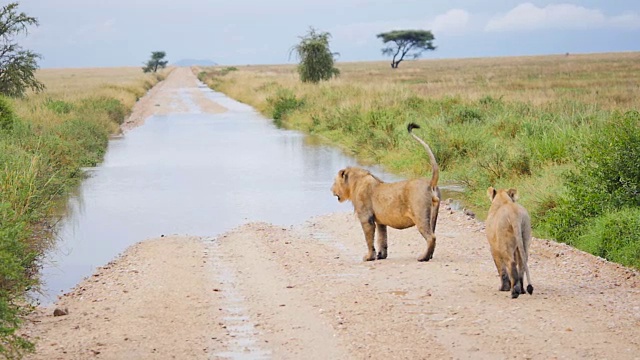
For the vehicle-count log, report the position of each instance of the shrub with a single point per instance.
(7, 115)
(607, 178)
(282, 104)
(494, 163)
(614, 236)
(228, 69)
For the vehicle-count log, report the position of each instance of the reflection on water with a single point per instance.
(197, 174)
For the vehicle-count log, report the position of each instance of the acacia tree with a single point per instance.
(17, 66)
(316, 59)
(410, 43)
(156, 61)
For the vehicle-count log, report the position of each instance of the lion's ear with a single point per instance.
(513, 194)
(344, 175)
(491, 193)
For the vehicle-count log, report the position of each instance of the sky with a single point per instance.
(106, 33)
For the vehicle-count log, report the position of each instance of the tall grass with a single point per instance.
(506, 122)
(45, 139)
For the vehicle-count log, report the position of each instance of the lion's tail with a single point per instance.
(520, 233)
(434, 165)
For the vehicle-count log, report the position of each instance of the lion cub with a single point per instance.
(400, 204)
(508, 229)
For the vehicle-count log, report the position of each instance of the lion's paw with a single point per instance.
(369, 257)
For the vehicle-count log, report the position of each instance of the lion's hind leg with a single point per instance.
(520, 265)
(515, 279)
(430, 237)
(505, 283)
(382, 241)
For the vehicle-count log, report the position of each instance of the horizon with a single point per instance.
(360, 61)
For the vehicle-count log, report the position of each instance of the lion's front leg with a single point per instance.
(369, 229)
(382, 241)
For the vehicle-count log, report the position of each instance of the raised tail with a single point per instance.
(434, 165)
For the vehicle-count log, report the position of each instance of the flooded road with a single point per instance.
(192, 173)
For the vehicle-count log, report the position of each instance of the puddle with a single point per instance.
(198, 174)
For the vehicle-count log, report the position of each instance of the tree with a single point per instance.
(406, 43)
(17, 66)
(155, 62)
(316, 59)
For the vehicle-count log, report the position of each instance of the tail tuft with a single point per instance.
(530, 289)
(412, 126)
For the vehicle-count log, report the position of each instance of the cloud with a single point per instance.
(93, 32)
(528, 16)
(453, 22)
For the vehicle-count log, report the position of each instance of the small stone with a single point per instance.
(469, 213)
(60, 312)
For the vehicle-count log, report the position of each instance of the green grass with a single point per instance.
(613, 236)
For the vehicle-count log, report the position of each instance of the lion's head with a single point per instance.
(502, 196)
(339, 187)
(345, 182)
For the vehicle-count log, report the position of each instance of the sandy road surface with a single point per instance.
(260, 291)
(170, 96)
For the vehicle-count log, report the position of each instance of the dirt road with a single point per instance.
(260, 291)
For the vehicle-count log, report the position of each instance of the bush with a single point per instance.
(282, 104)
(607, 178)
(7, 115)
(614, 236)
(227, 70)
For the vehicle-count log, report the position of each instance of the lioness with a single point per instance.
(508, 229)
(400, 204)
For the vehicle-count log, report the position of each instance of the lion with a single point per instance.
(508, 229)
(400, 204)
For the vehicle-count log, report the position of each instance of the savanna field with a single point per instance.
(45, 140)
(562, 129)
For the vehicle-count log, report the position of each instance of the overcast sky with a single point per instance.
(96, 33)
